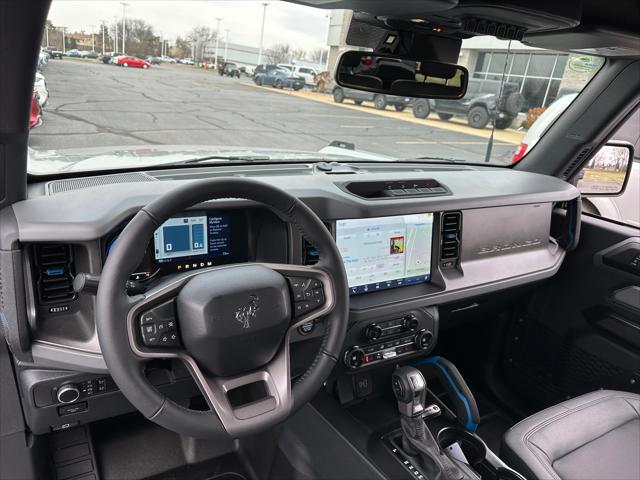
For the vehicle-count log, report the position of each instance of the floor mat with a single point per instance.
(132, 447)
(218, 469)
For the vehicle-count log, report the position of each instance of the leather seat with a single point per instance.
(595, 437)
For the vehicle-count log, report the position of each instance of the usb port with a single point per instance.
(52, 272)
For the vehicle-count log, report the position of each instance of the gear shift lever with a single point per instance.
(410, 389)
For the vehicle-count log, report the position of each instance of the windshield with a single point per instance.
(144, 83)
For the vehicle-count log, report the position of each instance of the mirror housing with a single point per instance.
(607, 172)
(394, 75)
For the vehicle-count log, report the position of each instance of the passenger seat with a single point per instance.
(592, 437)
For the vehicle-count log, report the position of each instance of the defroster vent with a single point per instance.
(450, 241)
(54, 273)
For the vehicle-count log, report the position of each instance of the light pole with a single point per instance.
(328, 49)
(115, 37)
(102, 37)
(226, 44)
(217, 40)
(93, 38)
(63, 40)
(264, 16)
(124, 25)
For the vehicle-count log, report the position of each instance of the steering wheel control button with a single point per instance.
(158, 326)
(306, 328)
(169, 340)
(308, 294)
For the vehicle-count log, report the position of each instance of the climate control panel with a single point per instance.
(387, 339)
(387, 328)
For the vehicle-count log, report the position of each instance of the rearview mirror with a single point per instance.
(607, 172)
(394, 75)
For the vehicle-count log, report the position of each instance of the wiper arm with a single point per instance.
(439, 159)
(231, 158)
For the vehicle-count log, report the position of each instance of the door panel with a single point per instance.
(580, 330)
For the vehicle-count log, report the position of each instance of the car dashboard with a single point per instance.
(414, 238)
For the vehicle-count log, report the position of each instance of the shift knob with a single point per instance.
(410, 389)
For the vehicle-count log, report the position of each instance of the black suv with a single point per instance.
(482, 103)
(264, 68)
(230, 70)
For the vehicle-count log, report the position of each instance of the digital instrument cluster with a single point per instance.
(190, 241)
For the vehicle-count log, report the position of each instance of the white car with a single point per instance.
(40, 89)
(623, 208)
(166, 59)
(43, 59)
(308, 73)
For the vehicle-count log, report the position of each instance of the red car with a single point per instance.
(35, 116)
(133, 62)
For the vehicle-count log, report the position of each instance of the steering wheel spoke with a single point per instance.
(249, 402)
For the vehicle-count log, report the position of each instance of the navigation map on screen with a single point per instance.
(385, 252)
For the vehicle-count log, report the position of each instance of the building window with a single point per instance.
(537, 75)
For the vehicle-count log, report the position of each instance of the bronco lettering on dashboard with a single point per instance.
(501, 247)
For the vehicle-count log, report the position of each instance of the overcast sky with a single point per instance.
(299, 26)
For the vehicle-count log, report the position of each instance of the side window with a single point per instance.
(607, 169)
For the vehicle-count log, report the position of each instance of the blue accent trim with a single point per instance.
(470, 425)
(570, 208)
(52, 272)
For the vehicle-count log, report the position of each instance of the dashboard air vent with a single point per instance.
(450, 242)
(579, 160)
(54, 270)
(58, 186)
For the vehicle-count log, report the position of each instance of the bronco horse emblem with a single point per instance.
(245, 313)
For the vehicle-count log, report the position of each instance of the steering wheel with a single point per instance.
(230, 324)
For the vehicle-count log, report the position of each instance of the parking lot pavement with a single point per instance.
(92, 104)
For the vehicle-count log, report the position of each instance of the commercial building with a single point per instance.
(246, 55)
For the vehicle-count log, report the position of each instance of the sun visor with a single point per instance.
(588, 40)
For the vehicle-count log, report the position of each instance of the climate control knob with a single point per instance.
(68, 393)
(423, 339)
(354, 357)
(410, 323)
(373, 332)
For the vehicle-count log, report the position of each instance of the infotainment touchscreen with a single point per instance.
(192, 238)
(385, 252)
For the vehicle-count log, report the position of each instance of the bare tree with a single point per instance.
(279, 53)
(141, 38)
(298, 54)
(182, 47)
(199, 36)
(317, 55)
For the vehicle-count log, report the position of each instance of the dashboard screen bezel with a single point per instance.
(393, 284)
